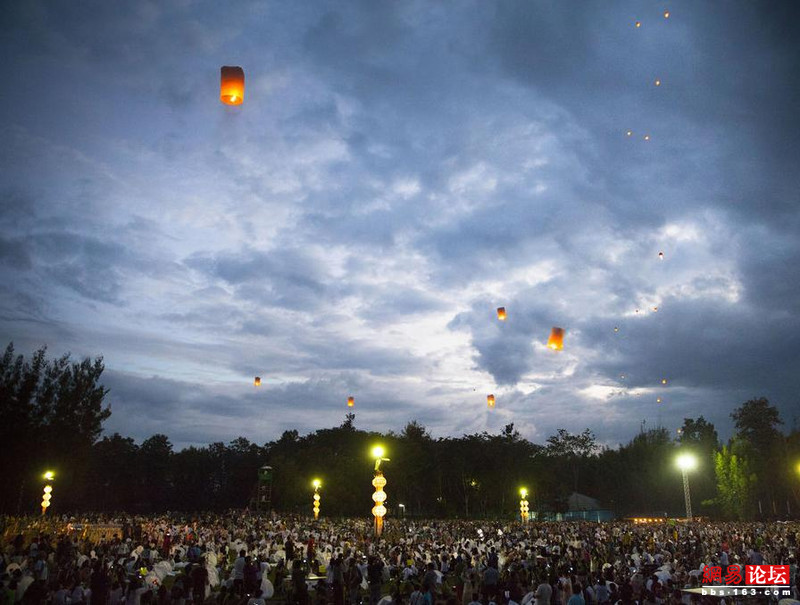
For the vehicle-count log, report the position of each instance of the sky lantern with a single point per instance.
(660, 256)
(351, 401)
(616, 329)
(638, 24)
(231, 87)
(257, 381)
(666, 14)
(657, 82)
(501, 313)
(658, 400)
(556, 340)
(647, 137)
(655, 309)
(663, 381)
(629, 133)
(490, 401)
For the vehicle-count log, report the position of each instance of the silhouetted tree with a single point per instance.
(51, 413)
(764, 448)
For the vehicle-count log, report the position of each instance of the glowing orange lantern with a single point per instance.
(231, 89)
(501, 313)
(490, 401)
(638, 24)
(663, 381)
(556, 340)
(257, 381)
(351, 401)
(666, 14)
(658, 82)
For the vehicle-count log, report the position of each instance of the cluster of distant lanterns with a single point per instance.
(656, 82)
(232, 93)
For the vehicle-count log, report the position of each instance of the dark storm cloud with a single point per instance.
(252, 265)
(15, 253)
(394, 301)
(398, 171)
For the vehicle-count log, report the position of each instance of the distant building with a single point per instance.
(580, 507)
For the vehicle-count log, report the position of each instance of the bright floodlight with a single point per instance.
(49, 475)
(523, 492)
(378, 452)
(686, 462)
(316, 483)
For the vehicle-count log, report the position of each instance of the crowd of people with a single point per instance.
(241, 559)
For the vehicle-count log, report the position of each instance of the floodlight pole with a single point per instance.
(686, 495)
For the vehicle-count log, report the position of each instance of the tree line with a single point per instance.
(52, 414)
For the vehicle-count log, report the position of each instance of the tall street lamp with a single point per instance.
(403, 508)
(687, 462)
(379, 497)
(317, 484)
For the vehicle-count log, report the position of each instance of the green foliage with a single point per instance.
(735, 484)
(51, 413)
(757, 423)
(51, 416)
(760, 444)
(569, 453)
(642, 477)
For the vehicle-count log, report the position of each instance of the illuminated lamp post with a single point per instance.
(379, 497)
(687, 462)
(317, 484)
(523, 504)
(48, 490)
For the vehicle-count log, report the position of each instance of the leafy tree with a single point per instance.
(51, 413)
(757, 422)
(572, 449)
(412, 466)
(113, 474)
(155, 458)
(763, 447)
(735, 484)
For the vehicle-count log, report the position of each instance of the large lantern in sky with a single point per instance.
(556, 340)
(490, 401)
(351, 401)
(257, 381)
(231, 87)
(501, 313)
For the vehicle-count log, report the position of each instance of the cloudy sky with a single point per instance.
(397, 171)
